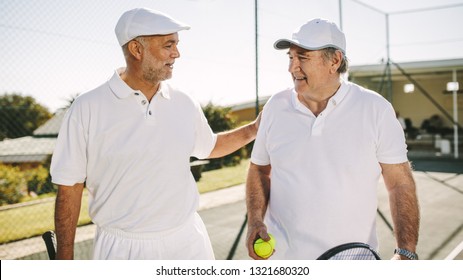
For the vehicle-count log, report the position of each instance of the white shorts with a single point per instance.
(189, 241)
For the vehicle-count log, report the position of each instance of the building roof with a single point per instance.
(434, 66)
(26, 149)
(52, 126)
(36, 148)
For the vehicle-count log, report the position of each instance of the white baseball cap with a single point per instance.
(316, 34)
(145, 22)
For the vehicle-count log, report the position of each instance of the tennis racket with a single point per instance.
(350, 251)
(50, 242)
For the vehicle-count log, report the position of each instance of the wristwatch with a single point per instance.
(406, 253)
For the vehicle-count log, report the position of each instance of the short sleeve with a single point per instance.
(205, 139)
(391, 147)
(259, 155)
(69, 160)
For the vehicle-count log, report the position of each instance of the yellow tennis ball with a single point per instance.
(264, 249)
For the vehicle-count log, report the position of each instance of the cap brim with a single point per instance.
(283, 44)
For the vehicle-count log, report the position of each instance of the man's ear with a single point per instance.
(336, 61)
(135, 48)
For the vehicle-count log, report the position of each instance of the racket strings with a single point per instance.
(355, 254)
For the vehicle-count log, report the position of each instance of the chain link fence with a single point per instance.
(45, 44)
(52, 31)
(39, 42)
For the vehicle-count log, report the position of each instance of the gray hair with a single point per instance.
(125, 47)
(328, 54)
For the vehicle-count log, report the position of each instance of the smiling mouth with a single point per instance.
(298, 76)
(170, 65)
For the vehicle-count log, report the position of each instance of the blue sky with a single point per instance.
(54, 49)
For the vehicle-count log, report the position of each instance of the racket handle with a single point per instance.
(50, 242)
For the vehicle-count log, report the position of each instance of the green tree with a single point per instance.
(220, 120)
(20, 115)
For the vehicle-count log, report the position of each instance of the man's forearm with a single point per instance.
(257, 192)
(67, 210)
(257, 197)
(403, 203)
(230, 141)
(405, 215)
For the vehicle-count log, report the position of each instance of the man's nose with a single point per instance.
(176, 52)
(294, 65)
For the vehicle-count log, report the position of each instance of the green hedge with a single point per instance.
(17, 185)
(13, 184)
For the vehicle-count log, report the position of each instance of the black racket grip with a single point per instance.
(50, 242)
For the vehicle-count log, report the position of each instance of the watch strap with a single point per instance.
(406, 253)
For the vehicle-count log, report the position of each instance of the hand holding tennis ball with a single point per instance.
(264, 249)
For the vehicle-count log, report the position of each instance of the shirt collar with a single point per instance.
(338, 97)
(122, 90)
(335, 100)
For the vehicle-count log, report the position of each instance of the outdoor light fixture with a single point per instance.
(409, 88)
(452, 86)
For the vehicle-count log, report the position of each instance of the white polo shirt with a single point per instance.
(325, 169)
(133, 155)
